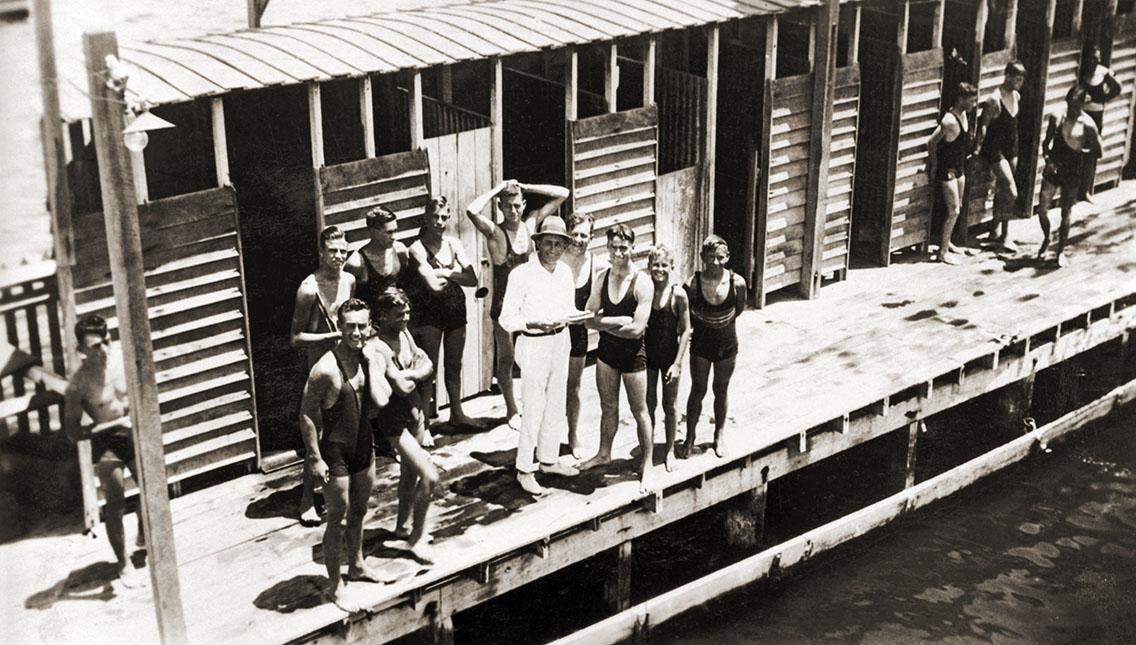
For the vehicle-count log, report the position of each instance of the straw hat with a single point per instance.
(552, 225)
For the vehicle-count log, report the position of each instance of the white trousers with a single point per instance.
(544, 385)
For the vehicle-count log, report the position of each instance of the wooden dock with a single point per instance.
(877, 353)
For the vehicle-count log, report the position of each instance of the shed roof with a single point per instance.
(182, 69)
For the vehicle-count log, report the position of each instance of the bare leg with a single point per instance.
(723, 370)
(699, 378)
(335, 495)
(454, 343)
(430, 340)
(952, 194)
(636, 386)
(572, 403)
(1045, 200)
(1068, 198)
(308, 514)
(359, 495)
(1007, 189)
(652, 393)
(607, 384)
(110, 477)
(426, 478)
(407, 482)
(504, 373)
(670, 419)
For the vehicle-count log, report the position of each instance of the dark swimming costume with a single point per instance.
(376, 283)
(320, 321)
(115, 444)
(714, 334)
(950, 156)
(624, 354)
(346, 446)
(661, 339)
(398, 415)
(501, 276)
(443, 309)
(1063, 166)
(579, 333)
(1001, 140)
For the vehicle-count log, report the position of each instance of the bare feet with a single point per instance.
(683, 450)
(310, 517)
(1062, 259)
(515, 422)
(599, 460)
(342, 598)
(131, 578)
(577, 453)
(402, 532)
(669, 461)
(529, 483)
(367, 574)
(1007, 245)
(422, 551)
(719, 448)
(464, 421)
(427, 439)
(948, 258)
(559, 469)
(645, 482)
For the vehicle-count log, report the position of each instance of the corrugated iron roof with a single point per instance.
(177, 70)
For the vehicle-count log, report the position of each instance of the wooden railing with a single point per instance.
(681, 98)
(440, 118)
(31, 324)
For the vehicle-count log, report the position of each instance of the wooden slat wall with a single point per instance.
(677, 217)
(841, 170)
(613, 173)
(979, 177)
(399, 181)
(195, 292)
(30, 309)
(1064, 60)
(919, 113)
(681, 98)
(460, 170)
(787, 167)
(1118, 112)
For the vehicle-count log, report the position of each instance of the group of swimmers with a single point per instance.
(1071, 146)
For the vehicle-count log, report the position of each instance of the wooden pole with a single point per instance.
(417, 128)
(1108, 36)
(611, 78)
(982, 16)
(496, 100)
(1078, 16)
(220, 141)
(572, 85)
(711, 139)
(447, 83)
(124, 247)
(1010, 33)
(759, 176)
(63, 239)
(649, 70)
(254, 11)
(937, 25)
(138, 169)
(816, 187)
(901, 32)
(617, 590)
(854, 38)
(315, 129)
(367, 116)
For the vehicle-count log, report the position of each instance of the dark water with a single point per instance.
(1044, 552)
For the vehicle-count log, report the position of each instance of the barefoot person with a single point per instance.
(584, 266)
(341, 387)
(716, 296)
(509, 245)
(1071, 140)
(538, 306)
(401, 421)
(314, 325)
(1101, 87)
(621, 302)
(98, 388)
(377, 264)
(996, 140)
(667, 337)
(949, 147)
(437, 272)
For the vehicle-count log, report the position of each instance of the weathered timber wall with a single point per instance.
(841, 170)
(399, 181)
(787, 166)
(922, 75)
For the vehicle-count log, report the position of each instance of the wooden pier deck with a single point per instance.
(874, 354)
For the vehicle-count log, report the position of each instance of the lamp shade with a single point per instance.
(145, 122)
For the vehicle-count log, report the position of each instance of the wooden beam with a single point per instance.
(649, 70)
(254, 11)
(711, 138)
(611, 77)
(910, 453)
(367, 116)
(904, 23)
(937, 25)
(759, 174)
(617, 587)
(447, 83)
(1078, 15)
(220, 140)
(854, 37)
(124, 247)
(1010, 33)
(62, 235)
(572, 85)
(826, 27)
(315, 128)
(981, 17)
(417, 129)
(497, 159)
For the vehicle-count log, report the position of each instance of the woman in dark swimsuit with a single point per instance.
(583, 265)
(1071, 140)
(949, 146)
(437, 271)
(666, 340)
(377, 264)
(997, 140)
(716, 296)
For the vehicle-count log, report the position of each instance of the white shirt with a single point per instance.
(536, 294)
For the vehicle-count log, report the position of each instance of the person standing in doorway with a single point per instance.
(377, 264)
(949, 147)
(996, 140)
(667, 337)
(1101, 87)
(509, 239)
(437, 272)
(584, 267)
(717, 296)
(314, 326)
(538, 306)
(1071, 140)
(621, 302)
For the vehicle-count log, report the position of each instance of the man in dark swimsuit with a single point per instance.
(1101, 87)
(509, 244)
(622, 355)
(377, 264)
(314, 329)
(341, 387)
(667, 339)
(1071, 140)
(996, 140)
(949, 147)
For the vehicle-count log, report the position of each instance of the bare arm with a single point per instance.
(644, 294)
(682, 312)
(73, 415)
(1093, 141)
(305, 300)
(743, 294)
(556, 195)
(483, 224)
(379, 388)
(464, 275)
(311, 418)
(595, 302)
(1050, 133)
(428, 274)
(990, 109)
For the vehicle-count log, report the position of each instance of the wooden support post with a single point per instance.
(495, 119)
(904, 24)
(912, 443)
(937, 26)
(572, 85)
(711, 138)
(254, 10)
(1127, 356)
(1010, 32)
(982, 16)
(649, 56)
(220, 141)
(417, 129)
(367, 116)
(124, 247)
(617, 590)
(753, 172)
(441, 624)
(820, 133)
(138, 169)
(611, 78)
(447, 83)
(315, 129)
(62, 235)
(1078, 16)
(1037, 76)
(745, 518)
(759, 174)
(854, 37)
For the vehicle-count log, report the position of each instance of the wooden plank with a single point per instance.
(710, 137)
(639, 119)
